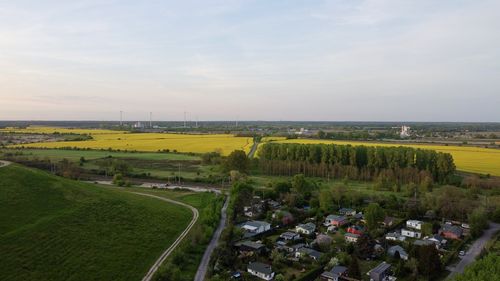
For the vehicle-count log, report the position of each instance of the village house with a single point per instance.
(423, 243)
(260, 270)
(308, 252)
(306, 229)
(290, 236)
(355, 229)
(394, 236)
(402, 253)
(334, 274)
(246, 247)
(415, 224)
(335, 220)
(411, 233)
(451, 231)
(381, 273)
(253, 228)
(438, 240)
(351, 238)
(347, 211)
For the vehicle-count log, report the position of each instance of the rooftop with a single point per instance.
(260, 267)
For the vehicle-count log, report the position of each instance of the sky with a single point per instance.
(351, 60)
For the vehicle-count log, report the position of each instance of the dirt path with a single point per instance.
(475, 250)
(149, 275)
(203, 267)
(4, 163)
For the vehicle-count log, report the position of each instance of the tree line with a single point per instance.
(402, 164)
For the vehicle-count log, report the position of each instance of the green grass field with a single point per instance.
(56, 229)
(74, 155)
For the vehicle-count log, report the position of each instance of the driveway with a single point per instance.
(474, 250)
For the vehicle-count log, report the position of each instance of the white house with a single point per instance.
(411, 233)
(306, 229)
(415, 224)
(261, 270)
(394, 236)
(256, 226)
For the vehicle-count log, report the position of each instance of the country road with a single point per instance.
(253, 149)
(474, 250)
(203, 267)
(149, 275)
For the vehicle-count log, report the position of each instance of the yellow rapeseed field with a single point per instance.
(51, 130)
(105, 139)
(469, 159)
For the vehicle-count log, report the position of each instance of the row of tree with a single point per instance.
(357, 162)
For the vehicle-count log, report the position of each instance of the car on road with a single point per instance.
(461, 253)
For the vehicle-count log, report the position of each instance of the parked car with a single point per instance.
(461, 253)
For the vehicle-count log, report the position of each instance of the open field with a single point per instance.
(469, 159)
(53, 130)
(105, 139)
(56, 229)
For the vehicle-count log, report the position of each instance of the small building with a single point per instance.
(334, 274)
(306, 229)
(411, 233)
(438, 240)
(290, 236)
(380, 273)
(335, 220)
(451, 231)
(394, 236)
(355, 229)
(388, 221)
(415, 224)
(250, 247)
(351, 238)
(347, 211)
(308, 252)
(255, 227)
(402, 253)
(260, 270)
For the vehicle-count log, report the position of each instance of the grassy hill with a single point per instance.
(56, 229)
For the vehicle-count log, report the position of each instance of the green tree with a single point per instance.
(478, 221)
(353, 269)
(237, 160)
(326, 201)
(373, 215)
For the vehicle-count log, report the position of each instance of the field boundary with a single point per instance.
(149, 275)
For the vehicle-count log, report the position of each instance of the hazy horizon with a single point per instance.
(361, 61)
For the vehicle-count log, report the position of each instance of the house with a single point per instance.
(323, 239)
(394, 236)
(380, 273)
(411, 233)
(331, 229)
(335, 220)
(290, 236)
(308, 252)
(347, 211)
(397, 249)
(438, 240)
(451, 231)
(250, 247)
(423, 243)
(252, 228)
(334, 274)
(359, 216)
(355, 229)
(388, 221)
(297, 247)
(273, 204)
(260, 270)
(415, 224)
(306, 229)
(351, 238)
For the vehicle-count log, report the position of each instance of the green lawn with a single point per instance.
(57, 229)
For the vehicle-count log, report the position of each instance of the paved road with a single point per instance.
(172, 247)
(475, 250)
(203, 267)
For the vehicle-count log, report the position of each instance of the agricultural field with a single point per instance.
(468, 159)
(57, 229)
(57, 130)
(152, 142)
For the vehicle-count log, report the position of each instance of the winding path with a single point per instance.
(203, 267)
(179, 239)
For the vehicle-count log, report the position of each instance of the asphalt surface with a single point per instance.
(203, 267)
(474, 250)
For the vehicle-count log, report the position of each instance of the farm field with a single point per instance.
(152, 142)
(468, 159)
(53, 130)
(57, 229)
